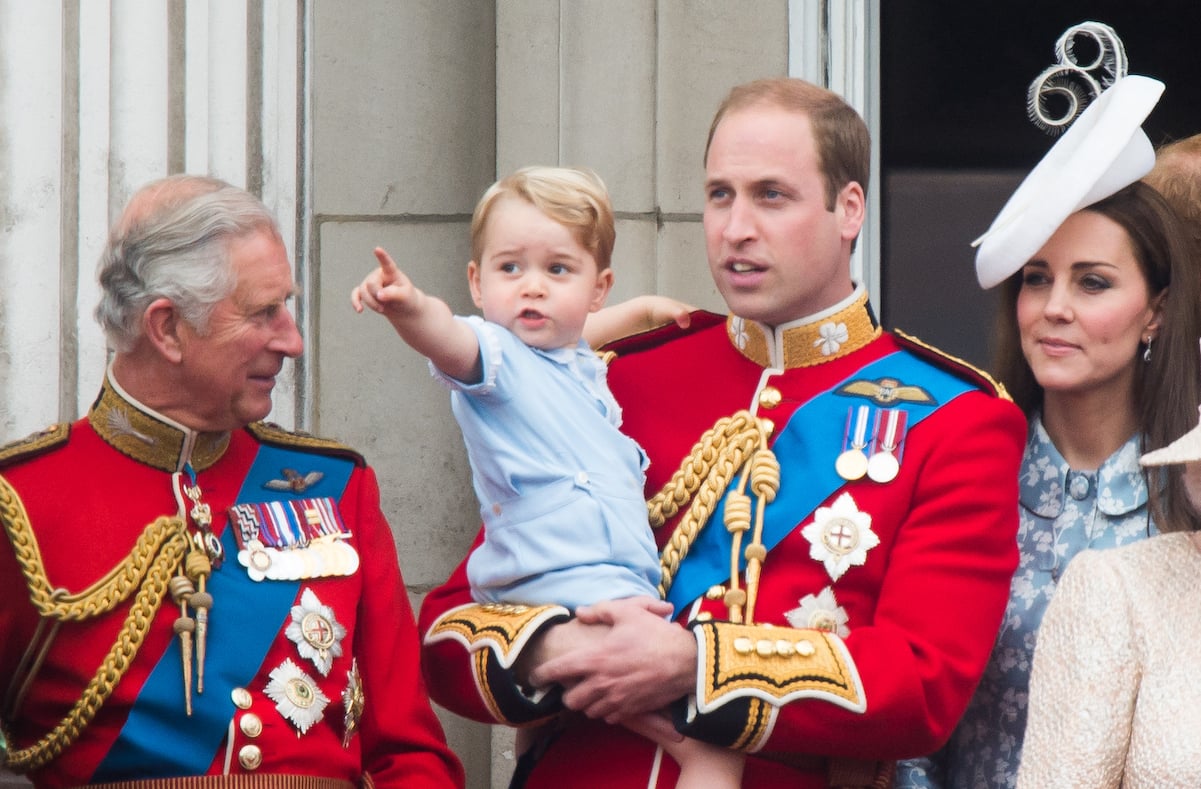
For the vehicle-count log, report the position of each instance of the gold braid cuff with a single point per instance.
(773, 664)
(159, 550)
(501, 627)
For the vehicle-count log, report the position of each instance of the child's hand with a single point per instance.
(386, 289)
(661, 310)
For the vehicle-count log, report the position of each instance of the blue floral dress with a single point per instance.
(1062, 512)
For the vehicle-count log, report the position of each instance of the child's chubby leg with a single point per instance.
(702, 766)
(705, 766)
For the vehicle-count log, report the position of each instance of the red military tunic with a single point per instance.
(83, 499)
(905, 625)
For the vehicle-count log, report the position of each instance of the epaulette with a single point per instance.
(658, 336)
(271, 433)
(960, 367)
(35, 444)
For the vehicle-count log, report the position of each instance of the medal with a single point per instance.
(296, 695)
(316, 633)
(840, 536)
(883, 464)
(353, 702)
(852, 463)
(293, 539)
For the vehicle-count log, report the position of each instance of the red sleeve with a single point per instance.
(403, 744)
(468, 651)
(943, 592)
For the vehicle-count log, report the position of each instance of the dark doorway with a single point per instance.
(955, 139)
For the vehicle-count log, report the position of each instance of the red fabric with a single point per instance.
(87, 504)
(924, 609)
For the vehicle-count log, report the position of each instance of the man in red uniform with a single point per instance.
(187, 591)
(836, 506)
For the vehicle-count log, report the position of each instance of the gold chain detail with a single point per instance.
(700, 482)
(149, 567)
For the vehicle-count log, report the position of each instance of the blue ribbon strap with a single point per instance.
(158, 739)
(807, 447)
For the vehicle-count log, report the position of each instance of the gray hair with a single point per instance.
(172, 242)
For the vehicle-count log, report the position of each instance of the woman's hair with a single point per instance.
(575, 198)
(172, 242)
(1167, 389)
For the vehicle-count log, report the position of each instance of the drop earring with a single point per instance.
(1147, 350)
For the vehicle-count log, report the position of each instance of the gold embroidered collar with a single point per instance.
(829, 335)
(149, 437)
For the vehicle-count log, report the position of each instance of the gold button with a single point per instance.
(784, 648)
(704, 616)
(251, 725)
(743, 645)
(241, 697)
(768, 426)
(770, 397)
(250, 757)
(805, 649)
(716, 592)
(765, 648)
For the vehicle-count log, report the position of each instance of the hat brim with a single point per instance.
(1185, 449)
(1103, 151)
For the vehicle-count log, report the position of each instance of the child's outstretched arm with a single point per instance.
(641, 313)
(423, 321)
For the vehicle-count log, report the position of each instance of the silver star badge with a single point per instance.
(316, 633)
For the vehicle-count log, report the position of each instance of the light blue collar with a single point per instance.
(1046, 479)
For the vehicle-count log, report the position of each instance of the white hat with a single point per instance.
(1104, 150)
(1185, 449)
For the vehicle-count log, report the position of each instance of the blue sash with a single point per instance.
(807, 447)
(159, 740)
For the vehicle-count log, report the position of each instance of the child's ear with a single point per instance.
(604, 283)
(473, 282)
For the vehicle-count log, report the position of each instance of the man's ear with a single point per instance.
(161, 324)
(851, 207)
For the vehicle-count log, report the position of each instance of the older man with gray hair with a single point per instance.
(189, 591)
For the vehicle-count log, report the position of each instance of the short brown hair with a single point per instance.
(575, 198)
(841, 137)
(1177, 176)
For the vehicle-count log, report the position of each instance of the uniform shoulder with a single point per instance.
(273, 434)
(954, 364)
(649, 340)
(35, 444)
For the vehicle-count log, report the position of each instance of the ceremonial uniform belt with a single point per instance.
(253, 781)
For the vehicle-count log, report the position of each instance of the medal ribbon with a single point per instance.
(158, 740)
(804, 448)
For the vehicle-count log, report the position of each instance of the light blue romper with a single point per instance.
(560, 487)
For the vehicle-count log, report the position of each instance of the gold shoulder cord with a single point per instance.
(735, 444)
(146, 570)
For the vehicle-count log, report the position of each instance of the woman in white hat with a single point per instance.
(1112, 699)
(1098, 330)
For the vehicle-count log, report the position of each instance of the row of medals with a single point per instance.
(886, 435)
